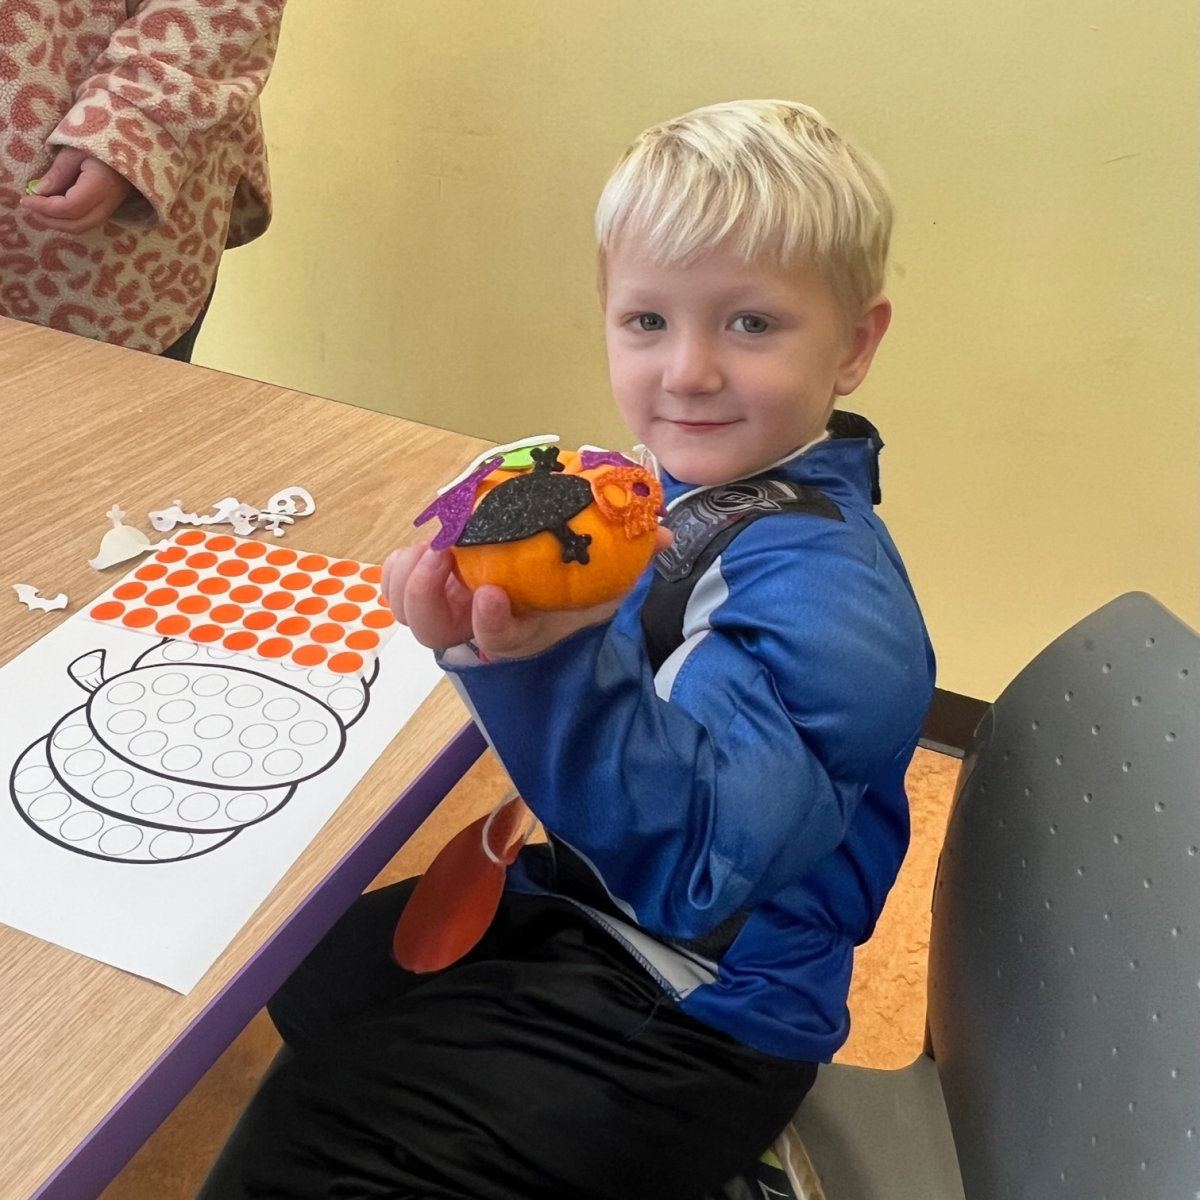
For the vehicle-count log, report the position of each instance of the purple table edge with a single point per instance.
(93, 1164)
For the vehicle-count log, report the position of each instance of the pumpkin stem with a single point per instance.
(545, 459)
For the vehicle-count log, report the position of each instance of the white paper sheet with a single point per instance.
(148, 807)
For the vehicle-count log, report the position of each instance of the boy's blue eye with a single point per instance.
(751, 323)
(651, 322)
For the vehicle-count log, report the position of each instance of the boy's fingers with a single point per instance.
(396, 569)
(663, 538)
(496, 629)
(435, 621)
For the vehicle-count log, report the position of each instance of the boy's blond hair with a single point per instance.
(772, 176)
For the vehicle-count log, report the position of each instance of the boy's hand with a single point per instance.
(425, 594)
(77, 193)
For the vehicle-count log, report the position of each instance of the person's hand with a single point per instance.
(424, 593)
(77, 193)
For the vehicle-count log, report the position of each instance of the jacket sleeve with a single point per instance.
(175, 75)
(811, 675)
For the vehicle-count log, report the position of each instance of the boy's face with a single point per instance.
(723, 367)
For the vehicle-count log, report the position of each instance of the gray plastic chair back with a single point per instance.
(1064, 1009)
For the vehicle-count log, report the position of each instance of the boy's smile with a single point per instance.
(723, 367)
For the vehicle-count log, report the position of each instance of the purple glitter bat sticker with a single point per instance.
(453, 508)
(590, 459)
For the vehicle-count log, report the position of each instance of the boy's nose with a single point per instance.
(693, 368)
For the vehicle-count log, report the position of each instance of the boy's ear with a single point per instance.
(865, 335)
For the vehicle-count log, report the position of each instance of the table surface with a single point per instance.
(85, 426)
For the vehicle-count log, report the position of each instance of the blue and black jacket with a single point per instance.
(727, 796)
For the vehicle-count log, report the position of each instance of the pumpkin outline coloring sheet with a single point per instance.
(168, 915)
(78, 805)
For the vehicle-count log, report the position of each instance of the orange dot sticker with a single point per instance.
(139, 618)
(182, 578)
(172, 626)
(129, 591)
(293, 626)
(263, 575)
(194, 604)
(311, 605)
(360, 593)
(150, 571)
(372, 574)
(207, 633)
(227, 613)
(278, 600)
(327, 633)
(309, 656)
(245, 593)
(345, 613)
(327, 587)
(162, 596)
(171, 554)
(202, 560)
(281, 558)
(296, 582)
(240, 640)
(110, 610)
(363, 639)
(344, 567)
(251, 550)
(193, 537)
(214, 585)
(345, 662)
(379, 618)
(221, 542)
(312, 562)
(258, 619)
(275, 647)
(233, 566)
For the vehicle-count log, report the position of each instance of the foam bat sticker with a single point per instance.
(27, 594)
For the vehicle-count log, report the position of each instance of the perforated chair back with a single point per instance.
(1064, 1008)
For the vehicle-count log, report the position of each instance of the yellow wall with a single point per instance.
(436, 165)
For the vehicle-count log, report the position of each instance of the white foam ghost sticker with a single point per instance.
(121, 542)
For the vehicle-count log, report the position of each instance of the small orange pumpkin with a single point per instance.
(571, 537)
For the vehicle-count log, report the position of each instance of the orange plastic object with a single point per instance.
(457, 897)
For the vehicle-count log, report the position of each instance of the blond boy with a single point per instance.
(718, 763)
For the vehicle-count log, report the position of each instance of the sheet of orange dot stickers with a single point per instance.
(274, 603)
(171, 747)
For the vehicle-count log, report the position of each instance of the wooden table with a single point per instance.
(92, 1058)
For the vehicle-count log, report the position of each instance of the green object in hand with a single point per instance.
(31, 187)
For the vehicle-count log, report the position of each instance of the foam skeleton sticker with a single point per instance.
(281, 509)
(173, 757)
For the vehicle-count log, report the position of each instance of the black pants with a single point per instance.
(181, 349)
(546, 1065)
